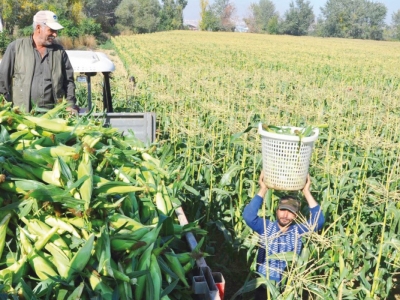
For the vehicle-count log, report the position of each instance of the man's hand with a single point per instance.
(74, 110)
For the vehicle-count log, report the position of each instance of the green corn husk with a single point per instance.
(79, 209)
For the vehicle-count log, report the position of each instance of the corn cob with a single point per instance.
(117, 221)
(10, 186)
(62, 225)
(146, 179)
(103, 253)
(76, 294)
(123, 176)
(59, 259)
(155, 169)
(116, 187)
(147, 241)
(3, 230)
(52, 113)
(143, 237)
(42, 267)
(40, 228)
(98, 180)
(144, 264)
(122, 242)
(147, 157)
(159, 201)
(34, 156)
(18, 269)
(120, 275)
(175, 265)
(42, 242)
(48, 176)
(98, 285)
(57, 151)
(124, 288)
(185, 257)
(155, 275)
(16, 170)
(23, 144)
(54, 125)
(75, 221)
(91, 140)
(85, 170)
(188, 266)
(167, 199)
(148, 213)
(80, 259)
(38, 132)
(18, 135)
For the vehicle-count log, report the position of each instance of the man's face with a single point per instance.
(46, 35)
(284, 217)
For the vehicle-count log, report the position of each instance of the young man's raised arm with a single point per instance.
(250, 212)
(317, 218)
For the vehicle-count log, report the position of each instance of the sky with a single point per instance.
(192, 10)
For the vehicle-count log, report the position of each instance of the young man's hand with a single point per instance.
(306, 188)
(263, 188)
(307, 193)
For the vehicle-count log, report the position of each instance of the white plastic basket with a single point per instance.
(285, 165)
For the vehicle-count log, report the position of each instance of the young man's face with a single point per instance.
(284, 217)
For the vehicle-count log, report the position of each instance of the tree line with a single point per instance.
(360, 19)
(363, 19)
(95, 16)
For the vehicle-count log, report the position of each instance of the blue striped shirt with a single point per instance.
(274, 240)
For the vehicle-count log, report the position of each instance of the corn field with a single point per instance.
(210, 90)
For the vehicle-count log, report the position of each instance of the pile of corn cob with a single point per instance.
(86, 213)
(306, 131)
(286, 130)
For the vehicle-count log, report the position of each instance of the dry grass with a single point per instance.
(66, 42)
(82, 42)
(86, 42)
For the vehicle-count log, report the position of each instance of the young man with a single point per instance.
(282, 235)
(35, 71)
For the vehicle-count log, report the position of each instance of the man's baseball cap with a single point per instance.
(48, 18)
(290, 204)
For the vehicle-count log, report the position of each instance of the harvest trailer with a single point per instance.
(206, 284)
(87, 64)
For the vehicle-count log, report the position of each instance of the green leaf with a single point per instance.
(27, 291)
(167, 228)
(28, 185)
(165, 268)
(65, 170)
(25, 208)
(44, 287)
(4, 135)
(255, 283)
(227, 177)
(225, 231)
(169, 288)
(286, 256)
(102, 249)
(191, 190)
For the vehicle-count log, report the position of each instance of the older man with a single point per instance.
(35, 72)
(282, 235)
